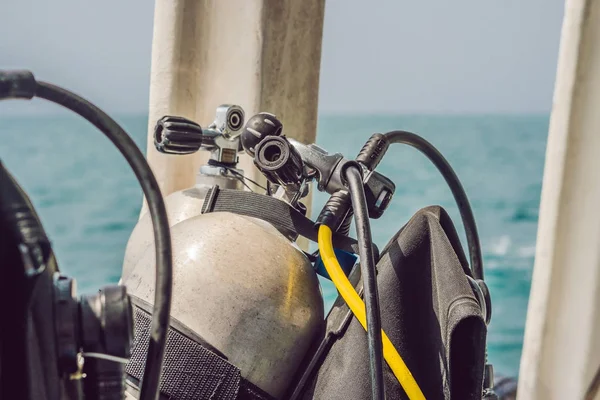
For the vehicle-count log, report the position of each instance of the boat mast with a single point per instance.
(264, 55)
(561, 350)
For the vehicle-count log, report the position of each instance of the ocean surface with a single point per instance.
(89, 200)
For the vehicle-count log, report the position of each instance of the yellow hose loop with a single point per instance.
(346, 290)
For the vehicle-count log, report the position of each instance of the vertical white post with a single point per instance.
(264, 55)
(562, 338)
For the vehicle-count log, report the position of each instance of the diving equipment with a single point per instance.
(242, 289)
(248, 313)
(289, 166)
(54, 345)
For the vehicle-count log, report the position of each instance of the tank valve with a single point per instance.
(257, 128)
(177, 135)
(229, 120)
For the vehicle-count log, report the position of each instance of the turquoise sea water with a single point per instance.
(89, 199)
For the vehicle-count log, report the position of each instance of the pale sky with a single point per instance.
(379, 56)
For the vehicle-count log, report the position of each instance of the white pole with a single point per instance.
(562, 338)
(261, 54)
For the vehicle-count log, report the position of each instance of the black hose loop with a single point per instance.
(158, 214)
(455, 186)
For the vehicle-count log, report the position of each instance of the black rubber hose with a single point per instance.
(458, 192)
(158, 214)
(369, 275)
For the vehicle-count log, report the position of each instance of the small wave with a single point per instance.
(500, 246)
(40, 191)
(107, 227)
(48, 202)
(523, 214)
(526, 251)
(493, 265)
(502, 268)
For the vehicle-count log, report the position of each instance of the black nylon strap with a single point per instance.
(190, 371)
(278, 213)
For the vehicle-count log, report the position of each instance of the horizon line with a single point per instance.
(63, 113)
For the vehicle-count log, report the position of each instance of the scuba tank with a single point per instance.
(243, 292)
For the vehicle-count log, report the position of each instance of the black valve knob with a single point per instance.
(257, 128)
(177, 135)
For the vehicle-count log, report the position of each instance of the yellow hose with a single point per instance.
(343, 285)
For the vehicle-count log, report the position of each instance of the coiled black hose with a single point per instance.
(455, 186)
(158, 214)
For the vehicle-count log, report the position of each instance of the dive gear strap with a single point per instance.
(280, 214)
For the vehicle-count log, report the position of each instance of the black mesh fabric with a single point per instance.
(190, 370)
(429, 313)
